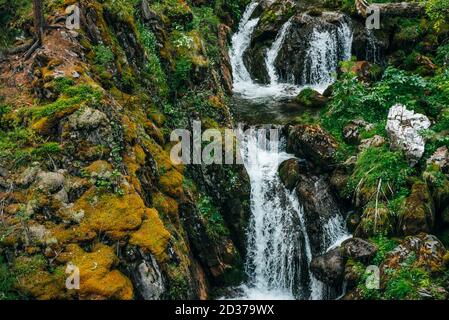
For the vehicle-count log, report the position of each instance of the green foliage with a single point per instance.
(153, 68)
(103, 55)
(375, 164)
(70, 96)
(181, 76)
(438, 12)
(206, 22)
(384, 245)
(12, 15)
(7, 281)
(215, 226)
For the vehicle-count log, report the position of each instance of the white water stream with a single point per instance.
(278, 249)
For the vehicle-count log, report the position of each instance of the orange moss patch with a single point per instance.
(171, 184)
(129, 129)
(110, 213)
(99, 166)
(152, 236)
(166, 206)
(97, 280)
(36, 282)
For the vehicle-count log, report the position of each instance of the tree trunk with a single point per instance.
(38, 19)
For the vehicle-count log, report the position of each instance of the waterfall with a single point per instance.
(240, 43)
(273, 53)
(243, 84)
(373, 53)
(278, 246)
(326, 48)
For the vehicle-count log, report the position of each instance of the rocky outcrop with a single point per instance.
(289, 172)
(404, 129)
(313, 143)
(353, 130)
(329, 267)
(320, 205)
(358, 249)
(423, 250)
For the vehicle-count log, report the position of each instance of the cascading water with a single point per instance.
(278, 246)
(273, 52)
(278, 249)
(326, 48)
(243, 84)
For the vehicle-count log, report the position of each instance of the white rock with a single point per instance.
(404, 129)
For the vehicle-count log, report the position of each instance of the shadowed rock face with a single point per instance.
(294, 62)
(329, 267)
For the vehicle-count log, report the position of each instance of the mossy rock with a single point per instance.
(310, 98)
(375, 220)
(418, 212)
(289, 172)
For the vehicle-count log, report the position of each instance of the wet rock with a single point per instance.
(418, 212)
(289, 172)
(294, 62)
(147, 278)
(427, 250)
(441, 159)
(358, 249)
(314, 144)
(310, 98)
(272, 15)
(329, 267)
(404, 130)
(376, 142)
(320, 205)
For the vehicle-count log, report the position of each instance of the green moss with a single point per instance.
(7, 281)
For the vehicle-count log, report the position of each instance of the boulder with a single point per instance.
(289, 172)
(50, 182)
(310, 98)
(404, 129)
(314, 144)
(329, 267)
(358, 249)
(418, 212)
(320, 205)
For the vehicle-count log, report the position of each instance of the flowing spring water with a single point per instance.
(278, 245)
(326, 48)
(243, 84)
(278, 249)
